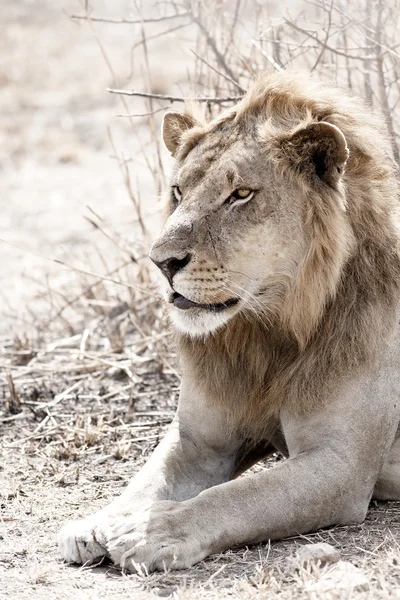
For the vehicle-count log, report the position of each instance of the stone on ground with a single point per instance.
(321, 553)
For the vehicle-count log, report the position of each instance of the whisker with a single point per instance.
(248, 294)
(264, 311)
(259, 314)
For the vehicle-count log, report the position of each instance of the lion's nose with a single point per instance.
(171, 266)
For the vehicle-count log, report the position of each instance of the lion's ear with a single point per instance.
(174, 126)
(318, 150)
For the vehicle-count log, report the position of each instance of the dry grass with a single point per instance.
(76, 423)
(88, 376)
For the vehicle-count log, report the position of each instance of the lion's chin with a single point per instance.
(199, 322)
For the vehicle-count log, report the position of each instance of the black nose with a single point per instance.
(172, 265)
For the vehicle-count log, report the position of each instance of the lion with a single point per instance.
(282, 271)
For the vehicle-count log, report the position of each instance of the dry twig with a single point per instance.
(168, 98)
(125, 21)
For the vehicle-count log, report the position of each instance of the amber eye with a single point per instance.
(239, 196)
(177, 192)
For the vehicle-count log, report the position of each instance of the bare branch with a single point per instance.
(327, 35)
(156, 36)
(147, 114)
(383, 96)
(233, 26)
(269, 58)
(213, 45)
(315, 37)
(123, 21)
(165, 97)
(233, 81)
(83, 293)
(74, 268)
(367, 74)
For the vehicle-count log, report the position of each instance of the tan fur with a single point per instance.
(305, 362)
(342, 303)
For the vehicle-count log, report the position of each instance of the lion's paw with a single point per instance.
(158, 538)
(83, 541)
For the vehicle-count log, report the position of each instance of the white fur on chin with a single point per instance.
(199, 324)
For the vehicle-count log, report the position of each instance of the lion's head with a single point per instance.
(263, 205)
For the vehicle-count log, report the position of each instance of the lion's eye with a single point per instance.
(177, 192)
(239, 196)
(241, 193)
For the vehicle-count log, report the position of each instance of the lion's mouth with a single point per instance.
(184, 303)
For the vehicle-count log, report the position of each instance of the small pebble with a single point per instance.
(321, 553)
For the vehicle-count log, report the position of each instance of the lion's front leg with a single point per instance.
(336, 455)
(292, 498)
(196, 453)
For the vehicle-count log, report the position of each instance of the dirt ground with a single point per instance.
(74, 429)
(88, 379)
(73, 433)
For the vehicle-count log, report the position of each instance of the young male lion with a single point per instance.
(281, 254)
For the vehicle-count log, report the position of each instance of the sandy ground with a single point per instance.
(68, 472)
(65, 455)
(63, 459)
